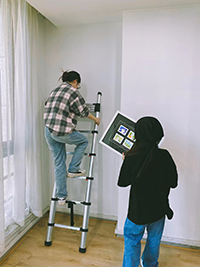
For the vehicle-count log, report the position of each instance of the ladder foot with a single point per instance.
(48, 243)
(82, 250)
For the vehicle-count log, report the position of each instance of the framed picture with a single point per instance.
(120, 134)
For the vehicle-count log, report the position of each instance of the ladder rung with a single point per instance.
(85, 131)
(67, 227)
(78, 177)
(91, 106)
(85, 154)
(81, 177)
(71, 153)
(75, 202)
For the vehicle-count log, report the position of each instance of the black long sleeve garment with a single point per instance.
(148, 200)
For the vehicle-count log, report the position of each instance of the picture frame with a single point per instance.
(120, 134)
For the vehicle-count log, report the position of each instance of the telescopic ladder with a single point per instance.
(95, 107)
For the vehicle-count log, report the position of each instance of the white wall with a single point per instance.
(95, 52)
(160, 77)
(41, 80)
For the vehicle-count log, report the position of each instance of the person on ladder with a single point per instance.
(62, 108)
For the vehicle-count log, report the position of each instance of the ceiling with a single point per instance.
(63, 13)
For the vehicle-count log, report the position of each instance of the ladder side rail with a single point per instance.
(89, 184)
(52, 213)
(97, 114)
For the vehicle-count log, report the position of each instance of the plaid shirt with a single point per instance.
(62, 107)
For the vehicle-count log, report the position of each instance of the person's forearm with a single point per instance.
(91, 117)
(96, 120)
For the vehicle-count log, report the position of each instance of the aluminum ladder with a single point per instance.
(95, 107)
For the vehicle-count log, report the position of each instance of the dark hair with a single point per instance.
(148, 133)
(69, 76)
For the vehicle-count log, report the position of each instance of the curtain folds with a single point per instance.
(34, 130)
(20, 24)
(20, 88)
(2, 227)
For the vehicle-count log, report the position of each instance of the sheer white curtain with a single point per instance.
(35, 142)
(24, 139)
(20, 87)
(2, 233)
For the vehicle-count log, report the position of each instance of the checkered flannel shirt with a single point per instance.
(62, 107)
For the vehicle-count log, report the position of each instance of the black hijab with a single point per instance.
(148, 129)
(148, 133)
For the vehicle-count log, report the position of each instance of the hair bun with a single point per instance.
(69, 76)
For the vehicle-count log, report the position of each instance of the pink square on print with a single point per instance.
(50, 116)
(48, 105)
(67, 95)
(68, 129)
(54, 103)
(62, 106)
(69, 120)
(56, 128)
(58, 116)
(57, 94)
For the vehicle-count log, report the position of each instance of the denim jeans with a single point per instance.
(133, 234)
(57, 147)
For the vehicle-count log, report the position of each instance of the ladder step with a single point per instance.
(85, 154)
(88, 131)
(71, 153)
(74, 202)
(95, 107)
(85, 131)
(90, 106)
(67, 227)
(79, 202)
(70, 227)
(81, 178)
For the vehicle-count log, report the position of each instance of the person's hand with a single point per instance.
(123, 156)
(97, 121)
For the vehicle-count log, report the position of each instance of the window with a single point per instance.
(21, 121)
(7, 107)
(7, 129)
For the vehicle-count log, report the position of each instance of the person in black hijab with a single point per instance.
(151, 172)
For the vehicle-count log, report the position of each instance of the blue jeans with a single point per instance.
(133, 234)
(57, 147)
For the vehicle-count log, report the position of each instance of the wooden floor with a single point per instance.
(103, 248)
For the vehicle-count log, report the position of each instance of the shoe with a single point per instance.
(62, 201)
(141, 263)
(76, 174)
